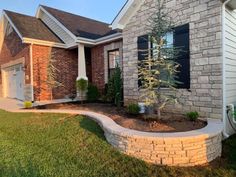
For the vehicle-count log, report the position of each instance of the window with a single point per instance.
(113, 61)
(178, 38)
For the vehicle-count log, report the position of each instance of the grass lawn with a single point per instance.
(64, 146)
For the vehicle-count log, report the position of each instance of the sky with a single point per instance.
(102, 10)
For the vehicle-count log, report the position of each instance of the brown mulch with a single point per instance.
(169, 123)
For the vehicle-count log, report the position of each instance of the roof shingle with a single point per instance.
(31, 27)
(80, 26)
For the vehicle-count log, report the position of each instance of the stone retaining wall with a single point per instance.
(174, 149)
(181, 151)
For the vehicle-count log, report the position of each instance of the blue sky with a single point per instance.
(103, 10)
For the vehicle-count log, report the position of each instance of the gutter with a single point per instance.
(226, 135)
(102, 40)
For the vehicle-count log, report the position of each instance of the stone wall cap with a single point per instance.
(213, 128)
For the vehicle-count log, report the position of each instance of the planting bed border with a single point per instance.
(190, 148)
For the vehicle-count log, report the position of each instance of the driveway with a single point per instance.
(10, 104)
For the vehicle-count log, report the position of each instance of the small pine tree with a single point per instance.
(159, 69)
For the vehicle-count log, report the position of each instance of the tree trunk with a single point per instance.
(159, 113)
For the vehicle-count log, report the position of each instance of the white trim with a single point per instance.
(57, 22)
(128, 10)
(223, 69)
(12, 24)
(115, 23)
(31, 72)
(44, 43)
(102, 40)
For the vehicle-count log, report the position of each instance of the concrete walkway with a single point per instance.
(10, 104)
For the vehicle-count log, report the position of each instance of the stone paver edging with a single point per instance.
(175, 149)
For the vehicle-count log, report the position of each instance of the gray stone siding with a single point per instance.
(187, 151)
(204, 17)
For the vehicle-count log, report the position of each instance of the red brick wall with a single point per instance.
(14, 49)
(98, 67)
(98, 63)
(66, 61)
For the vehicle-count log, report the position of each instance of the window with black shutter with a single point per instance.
(181, 41)
(179, 38)
(143, 44)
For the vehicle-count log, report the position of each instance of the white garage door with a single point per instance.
(15, 82)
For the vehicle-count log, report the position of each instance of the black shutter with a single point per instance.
(181, 41)
(142, 50)
(142, 47)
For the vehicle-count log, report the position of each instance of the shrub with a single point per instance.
(28, 104)
(193, 116)
(133, 109)
(81, 85)
(114, 88)
(93, 93)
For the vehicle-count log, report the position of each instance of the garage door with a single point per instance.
(15, 82)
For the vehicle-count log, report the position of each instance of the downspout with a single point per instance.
(226, 135)
(31, 73)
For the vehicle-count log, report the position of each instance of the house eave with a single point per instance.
(99, 41)
(232, 5)
(43, 43)
(126, 13)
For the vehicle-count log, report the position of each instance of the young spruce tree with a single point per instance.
(159, 68)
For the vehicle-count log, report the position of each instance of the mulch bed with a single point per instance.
(169, 123)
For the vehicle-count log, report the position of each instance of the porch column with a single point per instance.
(81, 63)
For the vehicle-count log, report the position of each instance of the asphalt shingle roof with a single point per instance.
(80, 26)
(31, 27)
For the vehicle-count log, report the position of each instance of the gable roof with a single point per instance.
(127, 11)
(31, 27)
(80, 26)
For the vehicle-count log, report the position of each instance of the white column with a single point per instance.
(81, 63)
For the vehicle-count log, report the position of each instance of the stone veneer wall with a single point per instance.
(190, 148)
(172, 151)
(204, 17)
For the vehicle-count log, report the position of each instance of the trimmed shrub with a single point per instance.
(81, 85)
(93, 93)
(133, 109)
(114, 89)
(28, 104)
(192, 116)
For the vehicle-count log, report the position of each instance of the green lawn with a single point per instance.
(63, 145)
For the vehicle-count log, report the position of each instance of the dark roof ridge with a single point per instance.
(105, 23)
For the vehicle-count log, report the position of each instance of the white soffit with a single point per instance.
(130, 8)
(232, 4)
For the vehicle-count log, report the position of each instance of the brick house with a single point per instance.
(85, 48)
